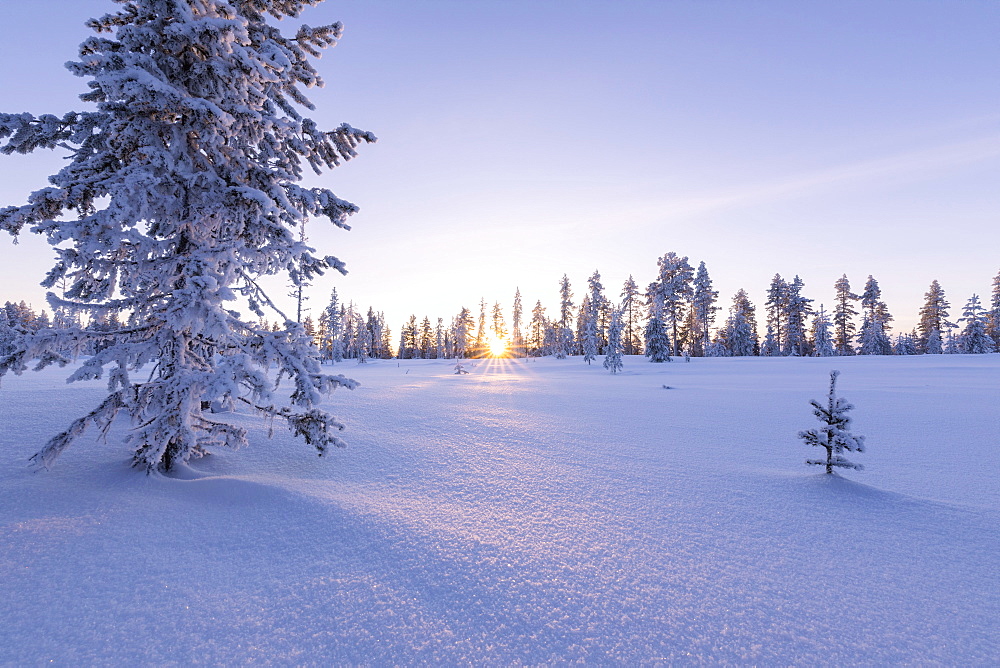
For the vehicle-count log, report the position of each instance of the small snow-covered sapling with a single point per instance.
(835, 434)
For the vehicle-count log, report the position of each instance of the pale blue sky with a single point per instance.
(521, 140)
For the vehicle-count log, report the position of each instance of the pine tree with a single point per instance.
(993, 326)
(377, 335)
(630, 318)
(933, 319)
(843, 315)
(776, 308)
(352, 331)
(517, 339)
(703, 310)
(581, 322)
(564, 335)
(479, 347)
(951, 344)
(822, 342)
(797, 309)
(974, 339)
(536, 330)
(332, 346)
(905, 344)
(462, 333)
(386, 343)
(590, 316)
(689, 334)
(359, 345)
(600, 311)
(499, 328)
(408, 340)
(934, 344)
(770, 345)
(299, 279)
(439, 340)
(835, 434)
(613, 355)
(738, 337)
(181, 191)
(309, 328)
(670, 292)
(64, 316)
(7, 334)
(873, 339)
(657, 342)
(426, 339)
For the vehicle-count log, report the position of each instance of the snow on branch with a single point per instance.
(181, 191)
(835, 435)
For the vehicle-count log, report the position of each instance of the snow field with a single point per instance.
(535, 511)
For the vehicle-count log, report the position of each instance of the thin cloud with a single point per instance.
(910, 166)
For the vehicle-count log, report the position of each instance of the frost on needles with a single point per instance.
(181, 192)
(835, 435)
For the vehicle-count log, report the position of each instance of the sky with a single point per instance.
(524, 139)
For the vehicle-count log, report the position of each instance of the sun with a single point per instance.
(498, 346)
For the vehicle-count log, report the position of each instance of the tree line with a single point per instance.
(675, 315)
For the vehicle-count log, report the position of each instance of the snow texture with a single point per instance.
(528, 512)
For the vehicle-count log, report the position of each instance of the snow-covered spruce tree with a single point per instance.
(822, 342)
(689, 333)
(703, 307)
(409, 347)
(933, 319)
(951, 344)
(843, 316)
(934, 345)
(586, 327)
(375, 326)
(769, 348)
(657, 343)
(835, 434)
(7, 334)
(906, 344)
(613, 354)
(462, 332)
(630, 317)
(740, 333)
(332, 345)
(581, 323)
(564, 331)
(776, 308)
(181, 190)
(873, 339)
(499, 327)
(425, 339)
(974, 339)
(299, 281)
(516, 337)
(796, 311)
(600, 311)
(993, 325)
(590, 315)
(439, 340)
(479, 346)
(670, 292)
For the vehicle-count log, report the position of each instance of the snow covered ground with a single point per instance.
(534, 511)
